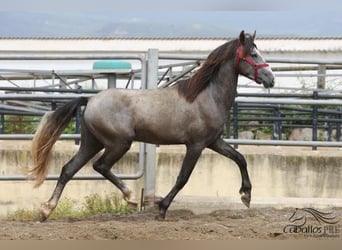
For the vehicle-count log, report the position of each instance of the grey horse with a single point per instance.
(191, 112)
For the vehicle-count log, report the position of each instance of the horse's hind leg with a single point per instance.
(220, 146)
(90, 146)
(104, 164)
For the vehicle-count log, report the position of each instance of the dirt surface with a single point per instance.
(261, 223)
(255, 223)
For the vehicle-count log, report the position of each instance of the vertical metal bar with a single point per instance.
(132, 81)
(53, 78)
(277, 125)
(53, 105)
(275, 133)
(150, 160)
(314, 120)
(93, 83)
(112, 81)
(329, 128)
(338, 127)
(326, 128)
(320, 85)
(2, 123)
(280, 124)
(321, 76)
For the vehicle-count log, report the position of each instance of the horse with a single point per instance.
(192, 112)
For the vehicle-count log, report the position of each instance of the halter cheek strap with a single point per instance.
(240, 57)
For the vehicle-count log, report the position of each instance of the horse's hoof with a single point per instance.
(43, 215)
(159, 218)
(44, 212)
(127, 195)
(246, 199)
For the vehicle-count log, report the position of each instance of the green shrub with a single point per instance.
(67, 209)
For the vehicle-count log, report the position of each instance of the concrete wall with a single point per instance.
(275, 172)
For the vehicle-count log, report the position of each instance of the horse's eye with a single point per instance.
(254, 55)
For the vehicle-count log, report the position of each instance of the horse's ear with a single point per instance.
(254, 35)
(242, 37)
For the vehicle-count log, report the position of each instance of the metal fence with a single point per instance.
(274, 113)
(34, 101)
(277, 113)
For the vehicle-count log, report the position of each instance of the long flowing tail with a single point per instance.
(48, 131)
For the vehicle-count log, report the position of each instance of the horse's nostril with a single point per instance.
(272, 82)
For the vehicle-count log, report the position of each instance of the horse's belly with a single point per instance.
(158, 137)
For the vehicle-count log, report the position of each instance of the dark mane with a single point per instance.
(192, 87)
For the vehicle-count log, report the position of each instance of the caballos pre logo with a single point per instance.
(313, 223)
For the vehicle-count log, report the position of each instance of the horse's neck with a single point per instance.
(224, 87)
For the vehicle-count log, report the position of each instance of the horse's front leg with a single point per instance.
(193, 152)
(222, 147)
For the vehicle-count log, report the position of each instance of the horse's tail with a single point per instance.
(48, 131)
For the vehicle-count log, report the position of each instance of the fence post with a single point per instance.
(53, 105)
(338, 127)
(277, 125)
(314, 120)
(2, 123)
(321, 76)
(150, 150)
(112, 81)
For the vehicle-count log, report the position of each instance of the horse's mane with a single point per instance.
(192, 87)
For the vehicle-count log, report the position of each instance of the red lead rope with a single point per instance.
(240, 57)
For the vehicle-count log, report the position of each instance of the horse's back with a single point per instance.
(153, 116)
(159, 116)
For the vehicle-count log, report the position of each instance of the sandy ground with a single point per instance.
(259, 223)
(254, 223)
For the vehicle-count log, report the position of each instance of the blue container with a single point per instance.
(112, 64)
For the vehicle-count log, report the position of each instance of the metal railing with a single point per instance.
(278, 112)
(280, 107)
(274, 111)
(27, 102)
(315, 109)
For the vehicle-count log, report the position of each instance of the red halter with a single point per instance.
(240, 57)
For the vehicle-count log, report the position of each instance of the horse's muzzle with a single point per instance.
(269, 84)
(267, 78)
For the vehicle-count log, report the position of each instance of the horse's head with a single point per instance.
(298, 217)
(250, 63)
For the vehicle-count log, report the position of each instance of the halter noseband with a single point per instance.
(240, 57)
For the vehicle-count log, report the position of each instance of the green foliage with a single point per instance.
(67, 209)
(18, 124)
(23, 215)
(71, 128)
(110, 204)
(266, 130)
